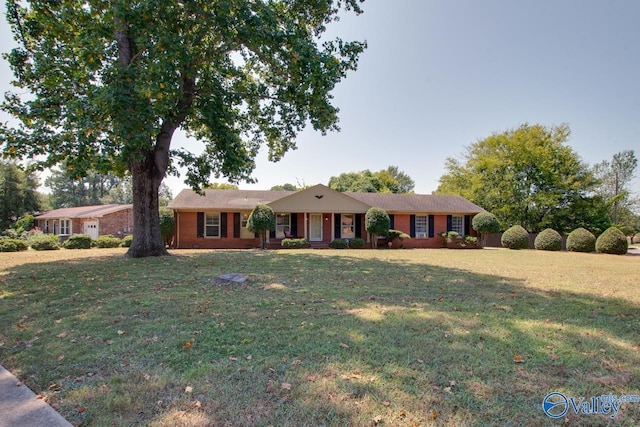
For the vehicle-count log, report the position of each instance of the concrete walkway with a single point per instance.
(19, 406)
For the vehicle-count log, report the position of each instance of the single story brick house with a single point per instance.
(95, 221)
(218, 218)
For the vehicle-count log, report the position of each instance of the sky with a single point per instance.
(439, 75)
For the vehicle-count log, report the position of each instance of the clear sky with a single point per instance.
(441, 74)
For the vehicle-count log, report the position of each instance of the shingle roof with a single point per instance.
(248, 199)
(96, 211)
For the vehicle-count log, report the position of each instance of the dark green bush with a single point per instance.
(612, 241)
(12, 245)
(108, 241)
(581, 240)
(356, 243)
(294, 243)
(485, 223)
(548, 240)
(377, 223)
(126, 241)
(78, 241)
(515, 238)
(261, 220)
(338, 244)
(44, 242)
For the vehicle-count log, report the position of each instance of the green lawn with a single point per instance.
(324, 337)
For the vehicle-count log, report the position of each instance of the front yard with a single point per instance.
(324, 337)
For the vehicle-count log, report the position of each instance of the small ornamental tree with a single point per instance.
(377, 223)
(261, 220)
(167, 225)
(515, 237)
(485, 223)
(612, 241)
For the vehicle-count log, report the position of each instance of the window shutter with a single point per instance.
(467, 224)
(391, 222)
(236, 224)
(200, 224)
(336, 226)
(449, 222)
(223, 224)
(272, 234)
(294, 225)
(359, 226)
(432, 220)
(412, 225)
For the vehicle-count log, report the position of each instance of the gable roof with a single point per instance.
(95, 211)
(307, 200)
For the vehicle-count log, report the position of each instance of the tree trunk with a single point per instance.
(147, 239)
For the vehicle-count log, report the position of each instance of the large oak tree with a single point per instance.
(108, 84)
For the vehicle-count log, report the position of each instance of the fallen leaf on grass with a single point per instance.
(188, 389)
(434, 414)
(82, 409)
(62, 335)
(311, 378)
(121, 332)
(285, 386)
(518, 359)
(296, 362)
(343, 345)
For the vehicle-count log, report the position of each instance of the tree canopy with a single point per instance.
(525, 176)
(104, 85)
(17, 193)
(614, 181)
(390, 180)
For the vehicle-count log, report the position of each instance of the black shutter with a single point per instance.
(294, 225)
(432, 220)
(236, 224)
(391, 222)
(412, 225)
(272, 234)
(467, 224)
(223, 224)
(449, 222)
(336, 226)
(359, 226)
(200, 226)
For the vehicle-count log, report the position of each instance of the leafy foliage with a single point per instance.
(109, 83)
(44, 242)
(612, 241)
(17, 193)
(294, 243)
(515, 237)
(377, 223)
(126, 241)
(356, 243)
(338, 244)
(525, 176)
(167, 225)
(78, 241)
(69, 189)
(614, 181)
(581, 240)
(24, 223)
(548, 240)
(12, 245)
(108, 241)
(390, 180)
(485, 223)
(261, 220)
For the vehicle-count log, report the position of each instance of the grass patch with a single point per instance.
(330, 337)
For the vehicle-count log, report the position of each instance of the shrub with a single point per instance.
(12, 245)
(612, 241)
(515, 238)
(338, 244)
(356, 243)
(108, 241)
(10, 233)
(261, 220)
(24, 223)
(548, 240)
(581, 240)
(294, 243)
(485, 223)
(377, 223)
(167, 226)
(44, 242)
(126, 241)
(78, 241)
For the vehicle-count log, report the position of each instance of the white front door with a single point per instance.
(315, 228)
(91, 228)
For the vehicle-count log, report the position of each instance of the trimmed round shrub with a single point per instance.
(338, 244)
(485, 223)
(515, 238)
(126, 241)
(108, 241)
(293, 243)
(78, 241)
(12, 245)
(548, 240)
(612, 241)
(44, 242)
(581, 240)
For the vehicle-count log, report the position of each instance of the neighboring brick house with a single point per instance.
(218, 218)
(95, 221)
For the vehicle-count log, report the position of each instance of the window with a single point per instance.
(422, 224)
(347, 226)
(244, 232)
(64, 227)
(457, 224)
(212, 225)
(283, 224)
